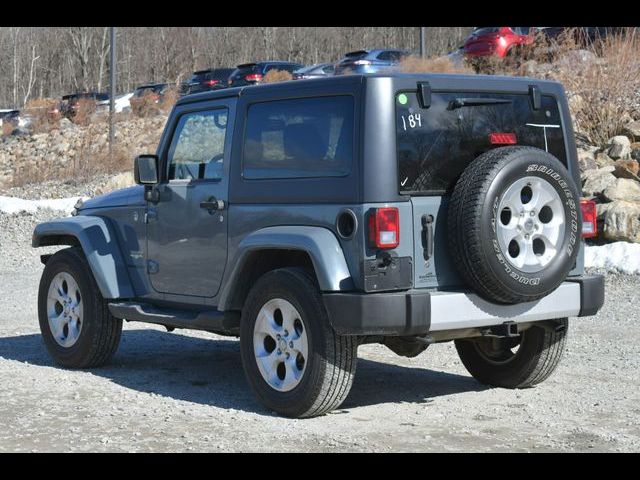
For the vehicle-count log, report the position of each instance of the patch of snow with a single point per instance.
(12, 205)
(623, 257)
(122, 102)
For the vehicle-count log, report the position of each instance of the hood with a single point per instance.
(118, 198)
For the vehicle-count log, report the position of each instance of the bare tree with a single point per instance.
(32, 75)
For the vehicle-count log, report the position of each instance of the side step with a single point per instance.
(210, 320)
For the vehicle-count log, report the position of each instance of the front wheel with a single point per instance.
(76, 325)
(293, 360)
(517, 362)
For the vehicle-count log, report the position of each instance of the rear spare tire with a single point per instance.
(514, 223)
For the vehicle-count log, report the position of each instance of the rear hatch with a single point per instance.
(436, 144)
(482, 41)
(352, 60)
(245, 74)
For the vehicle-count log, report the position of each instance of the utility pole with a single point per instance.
(112, 86)
(423, 46)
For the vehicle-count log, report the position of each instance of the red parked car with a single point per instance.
(498, 41)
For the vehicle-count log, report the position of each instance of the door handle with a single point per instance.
(427, 236)
(212, 204)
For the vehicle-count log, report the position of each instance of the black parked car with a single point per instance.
(318, 70)
(69, 104)
(584, 36)
(210, 79)
(9, 116)
(155, 89)
(252, 73)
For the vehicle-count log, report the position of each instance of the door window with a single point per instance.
(197, 148)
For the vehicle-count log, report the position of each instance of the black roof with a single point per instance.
(277, 62)
(486, 81)
(152, 85)
(209, 70)
(83, 94)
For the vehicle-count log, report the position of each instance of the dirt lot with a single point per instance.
(186, 390)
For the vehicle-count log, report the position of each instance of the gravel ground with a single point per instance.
(186, 390)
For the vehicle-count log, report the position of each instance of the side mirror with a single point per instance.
(145, 170)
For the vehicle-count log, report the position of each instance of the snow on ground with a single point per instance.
(12, 205)
(622, 257)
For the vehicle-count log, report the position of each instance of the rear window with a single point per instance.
(287, 67)
(391, 55)
(485, 30)
(436, 144)
(299, 138)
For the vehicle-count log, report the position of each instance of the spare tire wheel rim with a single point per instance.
(280, 344)
(65, 309)
(530, 224)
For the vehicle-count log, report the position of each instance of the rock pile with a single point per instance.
(610, 176)
(61, 153)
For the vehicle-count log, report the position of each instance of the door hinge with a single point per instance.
(150, 214)
(152, 266)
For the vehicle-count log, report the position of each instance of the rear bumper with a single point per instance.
(416, 312)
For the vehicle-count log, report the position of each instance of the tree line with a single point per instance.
(40, 62)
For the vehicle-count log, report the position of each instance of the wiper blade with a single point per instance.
(475, 102)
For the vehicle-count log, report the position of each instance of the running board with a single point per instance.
(209, 320)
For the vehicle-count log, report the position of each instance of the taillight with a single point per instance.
(502, 139)
(384, 227)
(589, 218)
(211, 83)
(253, 77)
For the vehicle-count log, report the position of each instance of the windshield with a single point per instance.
(436, 144)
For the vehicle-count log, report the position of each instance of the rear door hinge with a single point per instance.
(150, 214)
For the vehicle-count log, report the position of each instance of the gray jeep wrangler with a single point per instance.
(313, 216)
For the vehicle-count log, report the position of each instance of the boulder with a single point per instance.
(619, 147)
(635, 151)
(603, 160)
(596, 181)
(623, 189)
(626, 169)
(622, 222)
(587, 159)
(633, 129)
(67, 125)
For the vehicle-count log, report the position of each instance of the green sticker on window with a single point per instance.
(402, 99)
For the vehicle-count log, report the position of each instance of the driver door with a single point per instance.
(187, 227)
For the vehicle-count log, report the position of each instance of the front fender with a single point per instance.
(319, 243)
(99, 245)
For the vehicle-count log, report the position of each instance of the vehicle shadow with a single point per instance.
(209, 372)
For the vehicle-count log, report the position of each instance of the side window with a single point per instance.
(299, 138)
(197, 148)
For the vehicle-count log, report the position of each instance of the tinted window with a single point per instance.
(311, 137)
(328, 69)
(521, 30)
(197, 147)
(436, 144)
(286, 67)
(392, 56)
(485, 30)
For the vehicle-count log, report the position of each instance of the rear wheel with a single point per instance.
(293, 360)
(517, 362)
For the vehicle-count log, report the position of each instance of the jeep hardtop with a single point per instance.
(314, 216)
